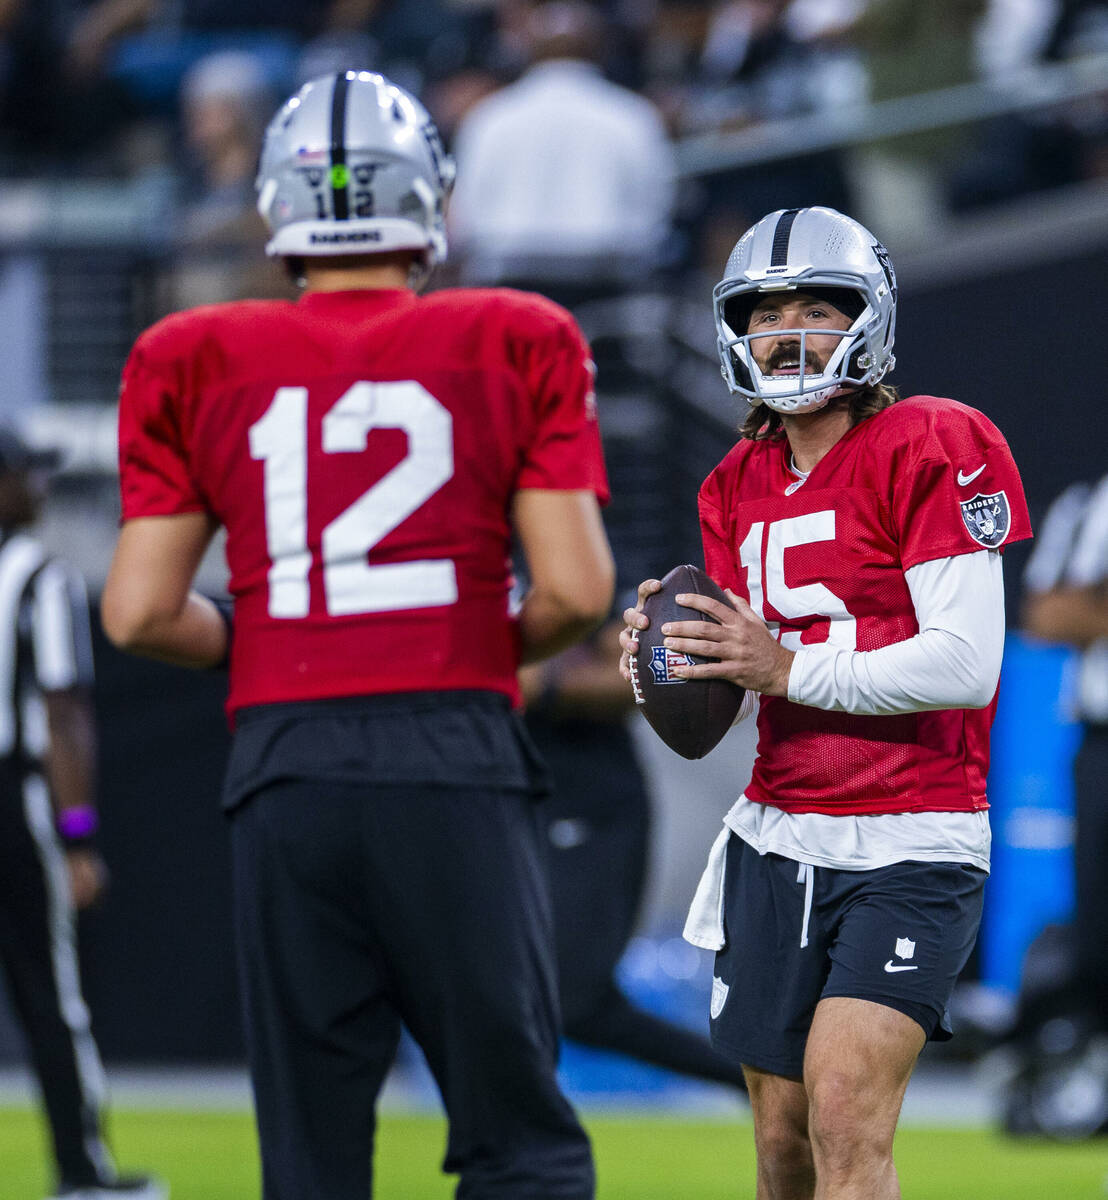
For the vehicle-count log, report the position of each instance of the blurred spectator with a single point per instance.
(1024, 152)
(912, 48)
(909, 49)
(1081, 30)
(225, 105)
(764, 60)
(226, 102)
(565, 179)
(485, 49)
(1012, 34)
(408, 40)
(52, 105)
(673, 37)
(754, 66)
(149, 45)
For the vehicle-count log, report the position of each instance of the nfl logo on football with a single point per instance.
(662, 662)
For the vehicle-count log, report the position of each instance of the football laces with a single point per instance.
(633, 666)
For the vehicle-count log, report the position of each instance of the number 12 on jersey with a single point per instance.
(350, 583)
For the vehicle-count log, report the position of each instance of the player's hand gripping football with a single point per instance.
(747, 653)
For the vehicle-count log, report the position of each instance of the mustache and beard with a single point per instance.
(787, 354)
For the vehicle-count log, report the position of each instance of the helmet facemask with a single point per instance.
(850, 365)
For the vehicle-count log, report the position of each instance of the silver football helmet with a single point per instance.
(353, 164)
(807, 250)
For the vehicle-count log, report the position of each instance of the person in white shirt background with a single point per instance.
(565, 178)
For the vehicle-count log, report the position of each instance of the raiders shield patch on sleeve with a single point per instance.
(987, 518)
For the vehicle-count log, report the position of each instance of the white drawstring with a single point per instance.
(806, 876)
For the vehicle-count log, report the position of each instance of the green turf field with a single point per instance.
(210, 1156)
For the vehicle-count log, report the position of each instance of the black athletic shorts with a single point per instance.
(898, 936)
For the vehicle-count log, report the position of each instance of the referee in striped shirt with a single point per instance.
(49, 866)
(1066, 587)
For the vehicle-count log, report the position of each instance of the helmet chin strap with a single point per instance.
(806, 403)
(811, 401)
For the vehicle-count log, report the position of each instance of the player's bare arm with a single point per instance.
(148, 606)
(570, 567)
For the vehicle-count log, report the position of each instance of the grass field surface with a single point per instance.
(212, 1156)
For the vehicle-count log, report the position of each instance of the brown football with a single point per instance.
(689, 715)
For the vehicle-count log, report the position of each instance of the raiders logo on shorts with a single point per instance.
(987, 518)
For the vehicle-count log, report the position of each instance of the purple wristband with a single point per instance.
(77, 823)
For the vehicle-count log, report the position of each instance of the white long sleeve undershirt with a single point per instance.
(953, 662)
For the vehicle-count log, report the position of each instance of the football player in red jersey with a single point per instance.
(859, 536)
(370, 454)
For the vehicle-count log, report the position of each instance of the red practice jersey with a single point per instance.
(362, 450)
(824, 561)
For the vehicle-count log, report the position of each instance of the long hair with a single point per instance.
(762, 423)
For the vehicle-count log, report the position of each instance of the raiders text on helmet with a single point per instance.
(352, 163)
(799, 250)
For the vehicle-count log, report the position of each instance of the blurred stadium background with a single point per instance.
(970, 135)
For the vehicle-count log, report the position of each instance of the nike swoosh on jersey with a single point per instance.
(964, 479)
(890, 966)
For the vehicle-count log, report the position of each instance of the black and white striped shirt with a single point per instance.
(1071, 550)
(45, 643)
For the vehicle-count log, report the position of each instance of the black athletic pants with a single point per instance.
(38, 951)
(358, 907)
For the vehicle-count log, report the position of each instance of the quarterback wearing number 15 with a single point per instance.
(372, 454)
(859, 536)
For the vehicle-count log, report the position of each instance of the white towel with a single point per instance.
(704, 925)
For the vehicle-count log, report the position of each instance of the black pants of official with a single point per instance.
(358, 908)
(38, 952)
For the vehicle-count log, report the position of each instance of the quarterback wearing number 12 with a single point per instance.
(371, 453)
(859, 536)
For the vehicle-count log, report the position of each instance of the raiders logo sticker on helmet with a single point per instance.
(987, 518)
